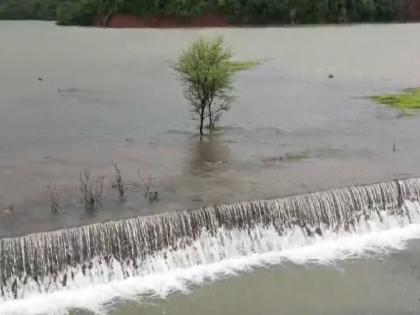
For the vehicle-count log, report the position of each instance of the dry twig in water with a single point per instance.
(119, 183)
(54, 200)
(91, 191)
(150, 192)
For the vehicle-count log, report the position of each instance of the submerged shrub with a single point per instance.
(150, 191)
(119, 183)
(54, 200)
(91, 191)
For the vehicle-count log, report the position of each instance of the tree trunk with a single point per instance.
(201, 121)
(106, 19)
(210, 118)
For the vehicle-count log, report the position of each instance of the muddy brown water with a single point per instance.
(82, 98)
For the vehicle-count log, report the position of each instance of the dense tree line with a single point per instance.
(29, 9)
(237, 11)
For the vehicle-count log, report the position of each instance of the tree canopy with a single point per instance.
(206, 72)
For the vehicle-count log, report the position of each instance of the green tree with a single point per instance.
(366, 10)
(74, 13)
(105, 9)
(206, 71)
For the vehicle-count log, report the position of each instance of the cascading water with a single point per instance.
(45, 262)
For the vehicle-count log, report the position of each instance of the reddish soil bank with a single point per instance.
(412, 12)
(131, 21)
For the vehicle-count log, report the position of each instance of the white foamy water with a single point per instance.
(215, 256)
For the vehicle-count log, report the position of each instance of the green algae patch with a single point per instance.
(245, 65)
(288, 157)
(407, 102)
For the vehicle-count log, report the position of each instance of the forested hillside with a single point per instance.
(237, 11)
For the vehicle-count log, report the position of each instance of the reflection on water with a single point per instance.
(208, 156)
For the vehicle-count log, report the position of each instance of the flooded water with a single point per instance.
(110, 96)
(84, 98)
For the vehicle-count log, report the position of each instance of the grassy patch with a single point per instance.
(407, 102)
(297, 156)
(244, 65)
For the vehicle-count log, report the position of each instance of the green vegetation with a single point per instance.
(406, 102)
(237, 11)
(296, 156)
(75, 13)
(206, 71)
(29, 9)
(240, 66)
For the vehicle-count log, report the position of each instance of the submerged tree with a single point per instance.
(206, 72)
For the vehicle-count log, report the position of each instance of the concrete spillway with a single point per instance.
(45, 262)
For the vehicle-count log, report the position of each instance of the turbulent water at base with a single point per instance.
(44, 263)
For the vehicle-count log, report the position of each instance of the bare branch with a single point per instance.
(54, 200)
(150, 192)
(119, 183)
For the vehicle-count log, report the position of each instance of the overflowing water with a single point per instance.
(163, 248)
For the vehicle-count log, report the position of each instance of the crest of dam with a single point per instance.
(99, 253)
